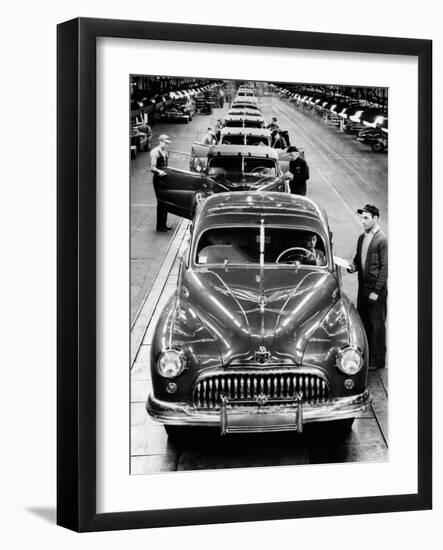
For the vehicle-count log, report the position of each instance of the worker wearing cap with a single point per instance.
(298, 172)
(371, 264)
(159, 160)
(273, 126)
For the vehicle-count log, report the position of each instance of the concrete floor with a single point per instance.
(345, 175)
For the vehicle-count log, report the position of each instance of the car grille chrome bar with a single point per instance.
(246, 387)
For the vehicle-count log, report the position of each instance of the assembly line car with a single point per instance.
(258, 335)
(226, 168)
(247, 101)
(175, 114)
(244, 121)
(242, 94)
(245, 136)
(245, 112)
(242, 105)
(233, 136)
(186, 105)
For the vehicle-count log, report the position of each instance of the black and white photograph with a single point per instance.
(258, 272)
(221, 290)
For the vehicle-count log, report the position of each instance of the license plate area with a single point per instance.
(238, 416)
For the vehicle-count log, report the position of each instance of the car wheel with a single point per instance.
(378, 147)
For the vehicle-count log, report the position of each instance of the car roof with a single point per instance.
(250, 104)
(243, 117)
(244, 113)
(247, 98)
(248, 207)
(245, 131)
(242, 150)
(241, 99)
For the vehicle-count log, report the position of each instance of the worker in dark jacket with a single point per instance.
(298, 172)
(273, 125)
(371, 264)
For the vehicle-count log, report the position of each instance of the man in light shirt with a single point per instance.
(210, 137)
(159, 160)
(371, 264)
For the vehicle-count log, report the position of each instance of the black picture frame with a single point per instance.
(76, 279)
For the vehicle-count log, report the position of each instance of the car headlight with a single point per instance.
(170, 363)
(349, 360)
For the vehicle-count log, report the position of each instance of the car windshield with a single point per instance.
(246, 113)
(241, 245)
(263, 166)
(258, 140)
(224, 166)
(243, 106)
(244, 123)
(237, 165)
(233, 140)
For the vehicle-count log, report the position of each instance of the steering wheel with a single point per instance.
(293, 253)
(259, 170)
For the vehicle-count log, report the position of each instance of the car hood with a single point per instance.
(244, 313)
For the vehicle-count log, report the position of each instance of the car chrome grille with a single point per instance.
(278, 388)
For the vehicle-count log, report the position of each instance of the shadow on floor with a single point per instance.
(46, 513)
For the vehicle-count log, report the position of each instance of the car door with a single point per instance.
(179, 188)
(200, 150)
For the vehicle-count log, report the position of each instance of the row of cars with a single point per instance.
(376, 137)
(182, 109)
(368, 123)
(258, 335)
(244, 156)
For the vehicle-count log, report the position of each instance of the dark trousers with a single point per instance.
(298, 188)
(373, 315)
(162, 211)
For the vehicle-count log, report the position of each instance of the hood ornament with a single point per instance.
(262, 355)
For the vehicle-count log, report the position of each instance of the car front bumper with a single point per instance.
(254, 418)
